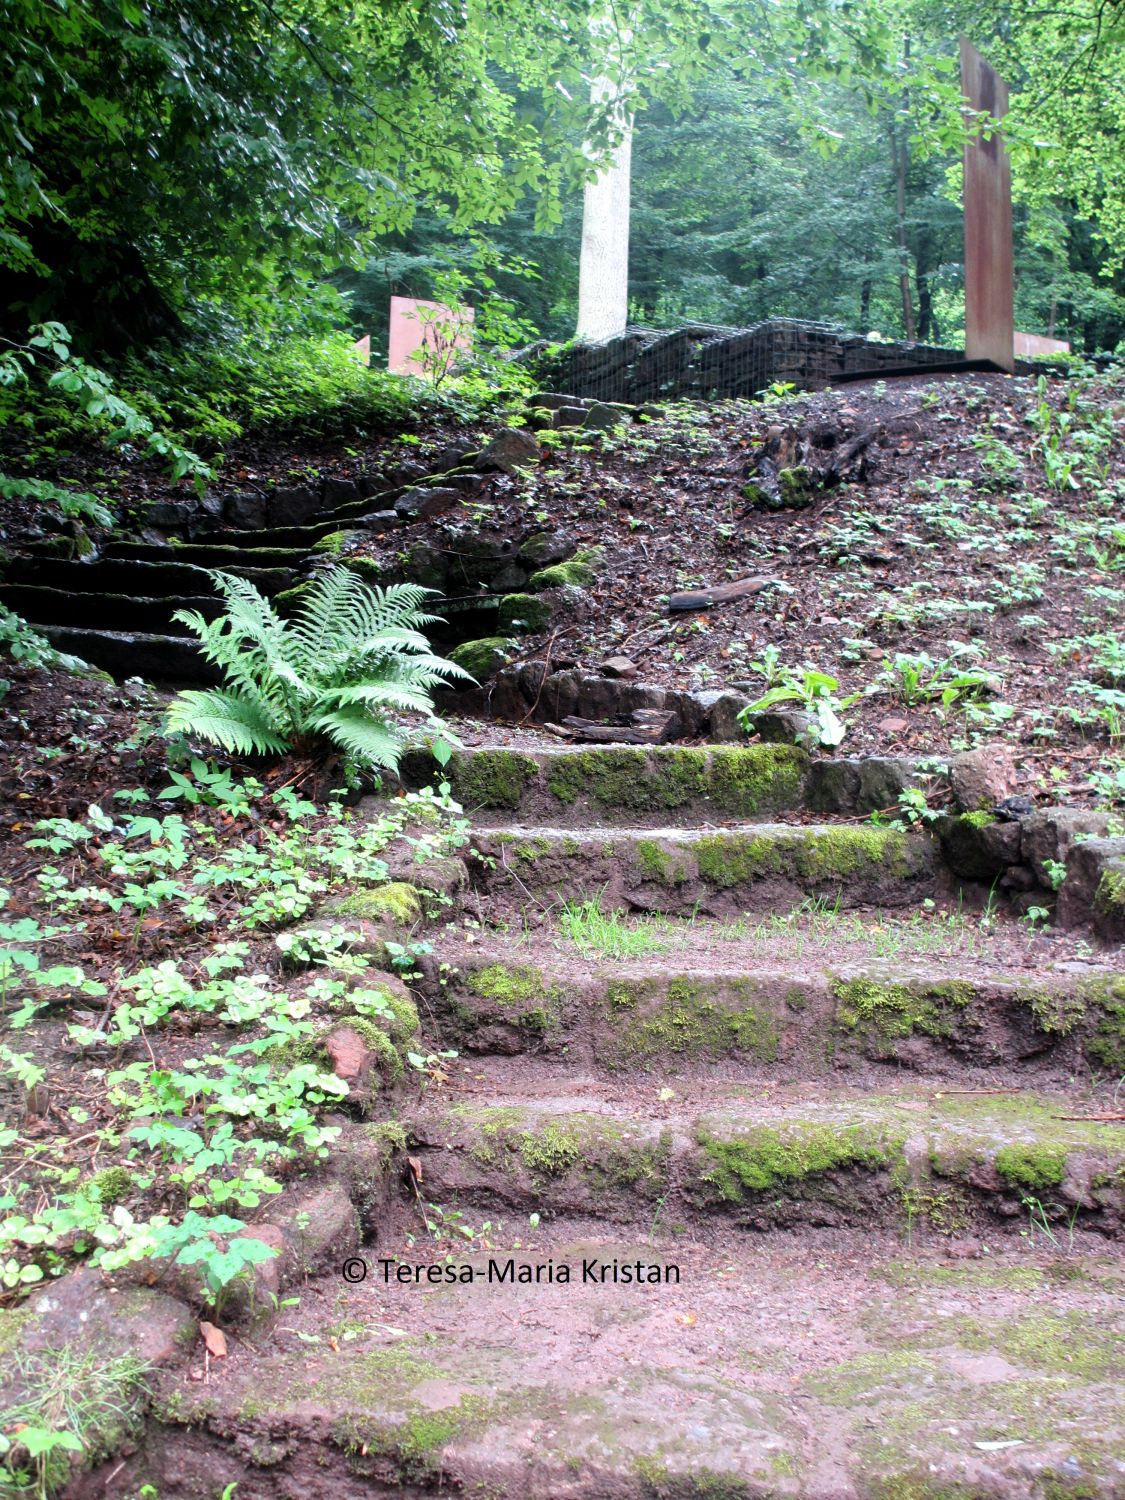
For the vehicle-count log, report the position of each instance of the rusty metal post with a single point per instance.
(989, 314)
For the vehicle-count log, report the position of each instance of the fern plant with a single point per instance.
(350, 659)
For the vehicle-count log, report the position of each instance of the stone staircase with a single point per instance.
(812, 1193)
(114, 607)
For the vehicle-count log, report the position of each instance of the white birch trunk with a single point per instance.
(603, 267)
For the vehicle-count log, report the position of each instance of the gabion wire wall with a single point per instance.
(708, 362)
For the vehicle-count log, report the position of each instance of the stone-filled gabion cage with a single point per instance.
(708, 362)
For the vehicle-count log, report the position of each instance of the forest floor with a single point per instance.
(986, 535)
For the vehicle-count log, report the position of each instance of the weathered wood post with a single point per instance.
(989, 312)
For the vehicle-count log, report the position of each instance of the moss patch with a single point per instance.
(1106, 1048)
(884, 1013)
(481, 659)
(334, 543)
(491, 778)
(1033, 1168)
(398, 901)
(652, 1020)
(761, 1158)
(580, 572)
(524, 614)
(743, 781)
(521, 992)
(730, 859)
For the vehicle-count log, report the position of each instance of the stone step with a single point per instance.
(104, 611)
(762, 1157)
(660, 784)
(147, 580)
(208, 554)
(157, 658)
(784, 1017)
(763, 866)
(876, 1372)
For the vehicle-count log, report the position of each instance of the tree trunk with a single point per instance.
(902, 161)
(603, 268)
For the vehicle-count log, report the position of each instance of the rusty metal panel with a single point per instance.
(989, 317)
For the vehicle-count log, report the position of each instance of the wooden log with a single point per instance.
(719, 593)
(645, 726)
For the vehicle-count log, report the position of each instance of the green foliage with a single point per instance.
(816, 692)
(349, 661)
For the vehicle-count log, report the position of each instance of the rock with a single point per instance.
(568, 416)
(481, 659)
(1048, 834)
(975, 850)
(781, 726)
(339, 492)
(169, 513)
(603, 417)
(350, 1055)
(293, 505)
(1094, 888)
(247, 510)
(554, 401)
(581, 571)
(981, 778)
(525, 614)
(722, 723)
(854, 787)
(1013, 809)
(427, 566)
(407, 472)
(509, 450)
(379, 521)
(544, 548)
(422, 504)
(618, 666)
(84, 1313)
(509, 578)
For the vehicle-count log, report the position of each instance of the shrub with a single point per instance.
(350, 657)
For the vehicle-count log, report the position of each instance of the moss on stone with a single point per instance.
(1032, 1168)
(658, 1482)
(490, 778)
(550, 1151)
(741, 780)
(795, 486)
(112, 1185)
(679, 1019)
(730, 859)
(1106, 1047)
(521, 991)
(657, 863)
(334, 543)
(524, 614)
(481, 659)
(885, 1013)
(397, 901)
(761, 1158)
(580, 572)
(288, 600)
(749, 779)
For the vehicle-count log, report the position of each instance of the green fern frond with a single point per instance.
(224, 718)
(362, 738)
(351, 655)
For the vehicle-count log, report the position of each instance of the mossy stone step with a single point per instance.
(786, 1021)
(875, 1373)
(756, 867)
(159, 658)
(147, 580)
(208, 554)
(104, 611)
(783, 1158)
(623, 784)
